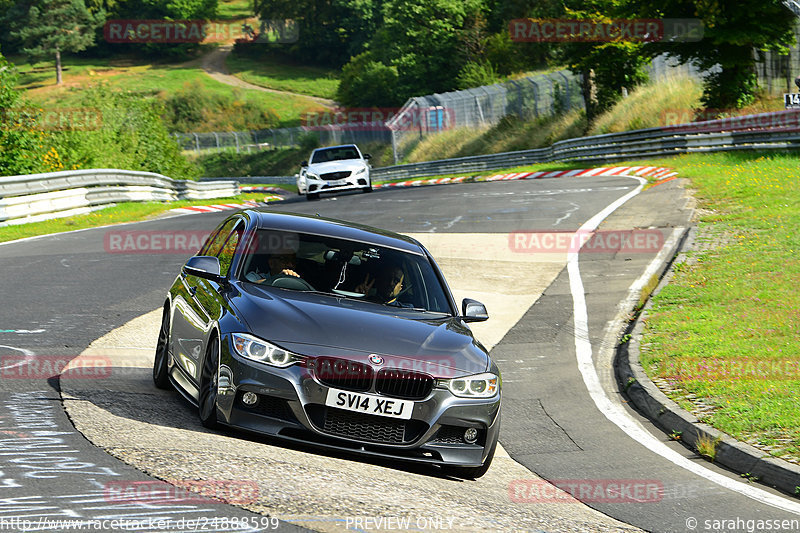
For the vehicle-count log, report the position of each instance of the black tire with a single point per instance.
(312, 196)
(160, 370)
(209, 377)
(472, 472)
(368, 188)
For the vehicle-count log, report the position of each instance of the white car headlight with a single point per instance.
(477, 386)
(311, 176)
(259, 350)
(362, 170)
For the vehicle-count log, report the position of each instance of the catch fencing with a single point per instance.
(257, 140)
(481, 107)
(36, 197)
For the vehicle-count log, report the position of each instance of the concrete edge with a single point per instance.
(648, 399)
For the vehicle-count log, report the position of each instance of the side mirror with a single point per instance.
(203, 266)
(473, 311)
(303, 164)
(367, 156)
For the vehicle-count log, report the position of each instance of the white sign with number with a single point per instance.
(791, 100)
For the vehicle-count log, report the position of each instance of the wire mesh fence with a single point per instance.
(256, 140)
(526, 98)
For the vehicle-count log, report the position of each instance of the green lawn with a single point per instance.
(234, 9)
(155, 80)
(724, 332)
(275, 73)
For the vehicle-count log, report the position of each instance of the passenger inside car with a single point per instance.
(383, 287)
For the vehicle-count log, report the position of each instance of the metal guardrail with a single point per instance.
(35, 197)
(764, 131)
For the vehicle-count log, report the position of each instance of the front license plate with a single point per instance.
(336, 183)
(369, 404)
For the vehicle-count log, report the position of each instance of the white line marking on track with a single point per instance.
(29, 356)
(614, 412)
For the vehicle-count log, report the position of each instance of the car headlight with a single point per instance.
(311, 176)
(477, 386)
(362, 170)
(259, 350)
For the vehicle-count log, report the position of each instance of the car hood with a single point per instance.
(319, 325)
(352, 165)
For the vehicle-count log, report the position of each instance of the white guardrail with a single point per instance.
(36, 197)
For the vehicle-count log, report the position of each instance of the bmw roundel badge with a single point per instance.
(376, 359)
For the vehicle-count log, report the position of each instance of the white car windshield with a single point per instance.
(334, 154)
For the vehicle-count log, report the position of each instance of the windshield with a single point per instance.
(335, 154)
(304, 262)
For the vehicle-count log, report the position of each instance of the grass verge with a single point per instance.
(282, 75)
(722, 335)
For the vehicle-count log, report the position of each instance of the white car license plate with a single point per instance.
(369, 404)
(336, 183)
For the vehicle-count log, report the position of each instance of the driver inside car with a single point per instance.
(281, 264)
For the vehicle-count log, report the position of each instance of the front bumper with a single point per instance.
(353, 182)
(291, 406)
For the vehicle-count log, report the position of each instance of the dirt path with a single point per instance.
(214, 65)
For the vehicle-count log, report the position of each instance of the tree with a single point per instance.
(606, 66)
(331, 31)
(732, 30)
(423, 39)
(55, 26)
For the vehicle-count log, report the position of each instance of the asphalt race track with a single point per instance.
(563, 418)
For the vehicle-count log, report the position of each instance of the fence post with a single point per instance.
(394, 147)
(236, 140)
(216, 137)
(519, 98)
(535, 97)
(568, 104)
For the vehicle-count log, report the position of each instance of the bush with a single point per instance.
(476, 75)
(195, 108)
(366, 82)
(22, 150)
(132, 137)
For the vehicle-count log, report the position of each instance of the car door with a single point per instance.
(198, 302)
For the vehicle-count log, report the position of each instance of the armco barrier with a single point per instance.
(764, 131)
(37, 197)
